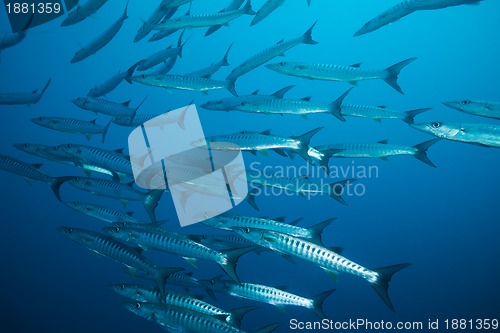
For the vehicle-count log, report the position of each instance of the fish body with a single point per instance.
(181, 82)
(476, 108)
(163, 10)
(162, 56)
(407, 7)
(72, 125)
(208, 71)
(350, 74)
(9, 40)
(102, 213)
(267, 8)
(256, 141)
(113, 82)
(265, 55)
(119, 252)
(123, 192)
(26, 98)
(82, 11)
(329, 260)
(205, 20)
(163, 240)
(479, 134)
(106, 107)
(380, 112)
(101, 41)
(380, 150)
(32, 172)
(44, 151)
(233, 5)
(230, 103)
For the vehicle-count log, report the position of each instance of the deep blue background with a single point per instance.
(444, 221)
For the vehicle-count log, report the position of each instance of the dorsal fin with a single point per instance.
(93, 121)
(357, 65)
(307, 98)
(266, 132)
(127, 103)
(281, 41)
(37, 165)
(256, 92)
(131, 213)
(383, 142)
(119, 150)
(382, 106)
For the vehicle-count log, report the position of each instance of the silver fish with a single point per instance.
(233, 5)
(351, 74)
(181, 82)
(72, 125)
(23, 97)
(267, 8)
(208, 71)
(107, 107)
(32, 172)
(113, 82)
(407, 7)
(82, 11)
(102, 213)
(119, 252)
(162, 56)
(101, 41)
(328, 260)
(477, 108)
(160, 12)
(479, 134)
(265, 55)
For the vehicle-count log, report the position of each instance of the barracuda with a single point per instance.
(123, 192)
(351, 74)
(208, 71)
(117, 251)
(151, 295)
(233, 5)
(477, 108)
(267, 8)
(228, 222)
(102, 213)
(173, 317)
(148, 237)
(31, 172)
(269, 295)
(302, 185)
(302, 107)
(82, 11)
(205, 20)
(72, 125)
(479, 134)
(328, 260)
(181, 82)
(407, 7)
(164, 9)
(114, 161)
(107, 107)
(380, 150)
(264, 56)
(45, 151)
(257, 141)
(16, 98)
(101, 41)
(162, 56)
(113, 82)
(230, 103)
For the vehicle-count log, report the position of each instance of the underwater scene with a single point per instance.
(250, 165)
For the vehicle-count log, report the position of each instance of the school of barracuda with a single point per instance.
(108, 173)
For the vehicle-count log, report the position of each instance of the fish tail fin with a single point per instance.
(304, 140)
(230, 259)
(180, 44)
(410, 115)
(268, 329)
(392, 73)
(336, 106)
(251, 198)
(125, 11)
(325, 160)
(382, 284)
(56, 183)
(308, 3)
(231, 81)
(105, 130)
(224, 60)
(236, 315)
(318, 301)
(307, 37)
(337, 188)
(421, 151)
(131, 71)
(162, 280)
(132, 116)
(247, 9)
(317, 229)
(151, 202)
(44, 88)
(212, 29)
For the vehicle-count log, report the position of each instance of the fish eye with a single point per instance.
(41, 118)
(436, 125)
(70, 230)
(247, 230)
(122, 286)
(117, 229)
(465, 102)
(26, 145)
(212, 281)
(137, 305)
(76, 178)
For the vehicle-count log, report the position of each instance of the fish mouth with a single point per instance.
(452, 105)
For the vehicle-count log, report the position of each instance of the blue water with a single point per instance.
(444, 220)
